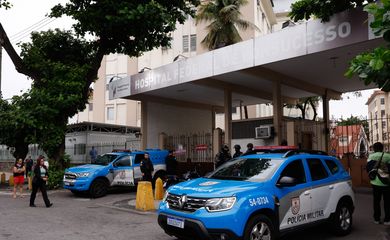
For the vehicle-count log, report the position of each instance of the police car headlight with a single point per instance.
(220, 204)
(82, 174)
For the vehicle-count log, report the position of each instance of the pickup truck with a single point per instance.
(120, 168)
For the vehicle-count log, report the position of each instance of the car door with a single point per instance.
(123, 174)
(136, 166)
(295, 201)
(322, 188)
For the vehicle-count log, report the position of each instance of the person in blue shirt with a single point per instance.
(93, 154)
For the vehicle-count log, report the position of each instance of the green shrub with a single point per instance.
(56, 173)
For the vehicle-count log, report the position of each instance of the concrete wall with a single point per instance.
(174, 120)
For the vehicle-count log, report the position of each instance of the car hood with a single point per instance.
(205, 187)
(85, 168)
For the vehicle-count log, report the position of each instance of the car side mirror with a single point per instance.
(286, 181)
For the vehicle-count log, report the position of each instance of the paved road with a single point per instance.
(106, 218)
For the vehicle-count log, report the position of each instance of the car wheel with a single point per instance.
(342, 219)
(259, 227)
(98, 188)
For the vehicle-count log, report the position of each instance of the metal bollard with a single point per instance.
(159, 190)
(11, 180)
(144, 198)
(2, 177)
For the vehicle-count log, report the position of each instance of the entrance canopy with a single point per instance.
(308, 59)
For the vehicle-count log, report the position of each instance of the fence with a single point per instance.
(80, 153)
(196, 148)
(6, 153)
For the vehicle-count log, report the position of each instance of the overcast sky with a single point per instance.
(26, 13)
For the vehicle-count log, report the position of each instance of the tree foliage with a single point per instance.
(374, 66)
(305, 9)
(225, 17)
(303, 105)
(5, 4)
(62, 64)
(16, 125)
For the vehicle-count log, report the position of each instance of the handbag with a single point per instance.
(376, 172)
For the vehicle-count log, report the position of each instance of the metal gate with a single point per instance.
(191, 147)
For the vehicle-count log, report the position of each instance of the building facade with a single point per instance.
(378, 117)
(186, 42)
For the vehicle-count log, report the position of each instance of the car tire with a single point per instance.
(98, 188)
(259, 227)
(341, 222)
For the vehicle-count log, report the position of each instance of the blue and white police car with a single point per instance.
(261, 196)
(120, 168)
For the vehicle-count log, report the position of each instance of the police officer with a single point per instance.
(223, 156)
(146, 167)
(237, 151)
(171, 163)
(250, 149)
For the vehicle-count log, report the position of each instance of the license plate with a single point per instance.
(176, 222)
(66, 183)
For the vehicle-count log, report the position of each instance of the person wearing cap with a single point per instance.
(237, 151)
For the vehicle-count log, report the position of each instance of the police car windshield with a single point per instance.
(247, 169)
(105, 159)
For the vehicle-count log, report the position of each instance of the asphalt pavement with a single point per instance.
(115, 217)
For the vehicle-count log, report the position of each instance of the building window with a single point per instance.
(382, 101)
(193, 43)
(185, 43)
(384, 136)
(343, 141)
(110, 113)
(383, 113)
(383, 124)
(90, 106)
(79, 149)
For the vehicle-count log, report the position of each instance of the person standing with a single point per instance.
(380, 189)
(171, 163)
(39, 182)
(18, 172)
(146, 168)
(223, 156)
(249, 149)
(28, 163)
(237, 151)
(93, 154)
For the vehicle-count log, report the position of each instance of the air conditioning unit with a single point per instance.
(264, 131)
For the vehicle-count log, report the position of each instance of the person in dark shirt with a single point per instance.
(18, 172)
(250, 149)
(171, 163)
(41, 176)
(146, 168)
(29, 164)
(237, 151)
(223, 156)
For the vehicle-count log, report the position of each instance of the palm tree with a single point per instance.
(225, 19)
